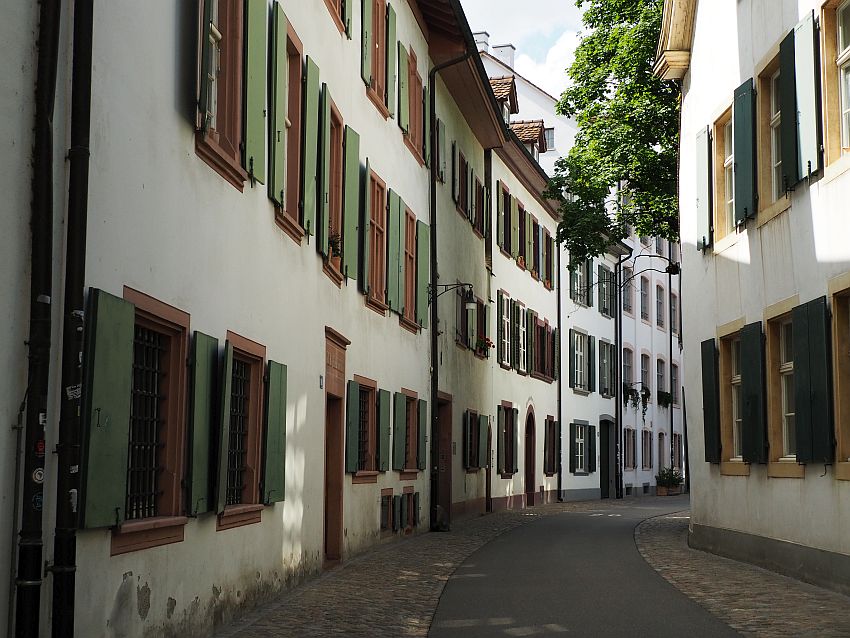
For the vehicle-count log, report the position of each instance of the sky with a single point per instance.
(544, 32)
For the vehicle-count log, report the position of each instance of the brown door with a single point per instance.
(334, 474)
(488, 502)
(529, 460)
(441, 497)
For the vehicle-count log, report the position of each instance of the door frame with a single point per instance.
(441, 493)
(488, 475)
(607, 457)
(530, 458)
(334, 446)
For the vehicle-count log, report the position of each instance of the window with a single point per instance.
(463, 328)
(786, 371)
(660, 383)
(523, 241)
(219, 142)
(629, 452)
(731, 351)
(463, 186)
(505, 320)
(506, 111)
(377, 89)
(644, 372)
(472, 440)
(780, 379)
(549, 274)
(479, 208)
(551, 444)
(628, 361)
(335, 228)
(367, 437)
(549, 134)
(506, 221)
(843, 63)
(536, 248)
(378, 247)
(580, 363)
(775, 139)
(628, 288)
(644, 239)
(292, 132)
(580, 285)
(674, 383)
(644, 298)
(386, 511)
(662, 451)
(523, 339)
(508, 439)
(674, 313)
(659, 245)
(416, 133)
(646, 449)
(841, 354)
(607, 369)
(677, 451)
(482, 338)
(724, 185)
(581, 431)
(337, 11)
(412, 426)
(607, 295)
(409, 267)
(659, 306)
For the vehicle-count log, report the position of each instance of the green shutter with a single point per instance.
(813, 383)
(399, 430)
(225, 383)
(705, 216)
(483, 423)
(500, 211)
(499, 325)
(529, 243)
(107, 389)
(547, 445)
(404, 511)
(515, 454)
(350, 203)
(352, 428)
(500, 442)
(256, 80)
(364, 230)
(384, 426)
(588, 282)
(744, 149)
(423, 269)
(403, 89)
(600, 288)
(394, 258)
(426, 126)
(590, 448)
(324, 206)
(788, 109)
(421, 448)
(278, 107)
(556, 354)
(402, 238)
(346, 13)
(207, 60)
(806, 62)
(441, 144)
(415, 509)
(466, 452)
(389, 98)
(274, 451)
(753, 422)
(203, 367)
(455, 171)
(514, 227)
(591, 364)
(310, 148)
(515, 319)
(488, 212)
(572, 361)
(470, 195)
(572, 448)
(366, 42)
(530, 326)
(397, 512)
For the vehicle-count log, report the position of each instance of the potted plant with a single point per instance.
(520, 261)
(483, 345)
(668, 482)
(665, 399)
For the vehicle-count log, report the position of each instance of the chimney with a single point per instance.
(505, 54)
(482, 41)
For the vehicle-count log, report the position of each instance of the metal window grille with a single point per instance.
(143, 469)
(363, 449)
(237, 451)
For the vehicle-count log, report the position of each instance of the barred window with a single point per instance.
(238, 432)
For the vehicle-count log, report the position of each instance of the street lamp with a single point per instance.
(468, 296)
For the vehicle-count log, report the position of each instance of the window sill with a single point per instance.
(289, 225)
(734, 468)
(378, 306)
(842, 471)
(505, 253)
(774, 210)
(646, 321)
(473, 470)
(661, 328)
(506, 475)
(548, 474)
(333, 273)
(408, 474)
(727, 241)
(147, 533)
(409, 324)
(239, 515)
(364, 476)
(477, 233)
(786, 469)
(837, 168)
(336, 19)
(541, 377)
(222, 163)
(417, 155)
(505, 366)
(581, 391)
(582, 473)
(378, 102)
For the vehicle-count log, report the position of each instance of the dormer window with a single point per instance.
(506, 112)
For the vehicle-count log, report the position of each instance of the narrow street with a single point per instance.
(578, 573)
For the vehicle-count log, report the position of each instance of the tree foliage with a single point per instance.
(622, 169)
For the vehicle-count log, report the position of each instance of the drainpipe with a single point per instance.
(68, 449)
(560, 386)
(28, 581)
(618, 347)
(436, 524)
(670, 334)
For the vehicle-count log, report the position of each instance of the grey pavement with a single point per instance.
(576, 572)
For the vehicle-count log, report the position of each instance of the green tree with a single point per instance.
(622, 169)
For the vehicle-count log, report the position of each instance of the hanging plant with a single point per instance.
(631, 395)
(665, 399)
(645, 395)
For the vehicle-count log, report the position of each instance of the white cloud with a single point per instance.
(550, 74)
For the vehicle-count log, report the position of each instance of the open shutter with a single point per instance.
(529, 242)
(591, 364)
(470, 195)
(256, 80)
(813, 383)
(572, 448)
(500, 439)
(500, 329)
(384, 425)
(107, 390)
(483, 426)
(274, 452)
(588, 283)
(514, 228)
(806, 63)
(397, 512)
(600, 288)
(572, 358)
(704, 207)
(465, 431)
(556, 354)
(753, 422)
(366, 42)
(426, 126)
(423, 269)
(364, 230)
(547, 447)
(403, 89)
(350, 203)
(441, 147)
(744, 150)
(788, 109)
(225, 383)
(203, 368)
(310, 147)
(207, 61)
(455, 168)
(514, 356)
(278, 107)
(590, 448)
(416, 509)
(399, 430)
(389, 98)
(422, 447)
(394, 231)
(500, 211)
(324, 206)
(352, 427)
(515, 454)
(346, 11)
(711, 401)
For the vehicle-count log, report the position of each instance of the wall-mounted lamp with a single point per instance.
(468, 295)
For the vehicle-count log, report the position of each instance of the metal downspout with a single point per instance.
(29, 568)
(70, 424)
(560, 386)
(620, 392)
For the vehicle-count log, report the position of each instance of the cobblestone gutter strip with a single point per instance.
(753, 601)
(391, 591)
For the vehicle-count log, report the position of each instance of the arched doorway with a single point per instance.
(529, 460)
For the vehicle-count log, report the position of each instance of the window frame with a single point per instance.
(333, 264)
(367, 464)
(660, 307)
(629, 444)
(674, 383)
(523, 340)
(841, 376)
(335, 9)
(645, 379)
(646, 449)
(580, 442)
(549, 135)
(780, 388)
(730, 405)
(377, 89)
(377, 243)
(411, 416)
(644, 299)
(505, 319)
(580, 361)
(628, 358)
(674, 313)
(408, 317)
(724, 180)
(414, 138)
(628, 290)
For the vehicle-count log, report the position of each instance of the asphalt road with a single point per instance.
(574, 573)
